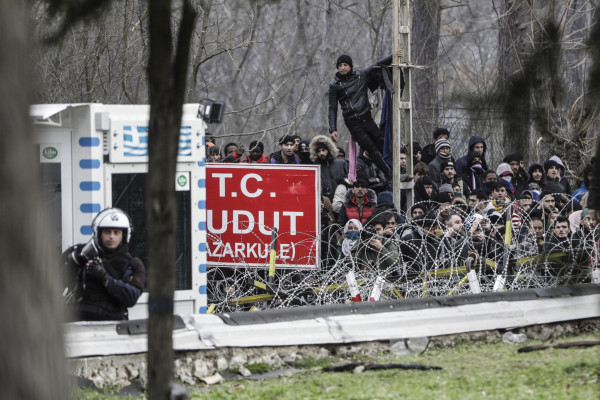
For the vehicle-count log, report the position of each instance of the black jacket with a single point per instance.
(332, 169)
(462, 164)
(366, 170)
(350, 91)
(125, 285)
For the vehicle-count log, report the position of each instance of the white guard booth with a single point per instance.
(94, 156)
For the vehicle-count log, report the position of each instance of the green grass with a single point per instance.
(470, 371)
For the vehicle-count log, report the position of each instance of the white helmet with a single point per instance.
(112, 218)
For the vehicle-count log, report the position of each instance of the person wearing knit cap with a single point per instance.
(349, 89)
(443, 151)
(449, 176)
(428, 152)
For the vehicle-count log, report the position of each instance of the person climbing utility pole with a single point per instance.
(350, 90)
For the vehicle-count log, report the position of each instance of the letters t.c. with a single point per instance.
(244, 188)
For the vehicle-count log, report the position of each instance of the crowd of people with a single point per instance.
(463, 208)
(502, 218)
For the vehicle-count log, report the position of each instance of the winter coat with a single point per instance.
(386, 259)
(434, 168)
(473, 177)
(262, 160)
(350, 209)
(277, 158)
(419, 252)
(332, 169)
(367, 170)
(97, 302)
(420, 193)
(351, 92)
(561, 167)
(462, 164)
(532, 168)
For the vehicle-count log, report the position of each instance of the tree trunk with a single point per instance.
(513, 49)
(425, 38)
(31, 348)
(166, 82)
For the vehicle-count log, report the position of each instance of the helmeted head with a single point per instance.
(111, 218)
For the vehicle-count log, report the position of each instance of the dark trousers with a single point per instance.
(366, 133)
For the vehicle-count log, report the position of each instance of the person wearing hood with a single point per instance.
(475, 171)
(505, 175)
(359, 203)
(324, 153)
(349, 89)
(352, 229)
(476, 144)
(560, 176)
(424, 189)
(536, 175)
(553, 183)
(443, 152)
(417, 152)
(520, 176)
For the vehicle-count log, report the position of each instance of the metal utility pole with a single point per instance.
(402, 124)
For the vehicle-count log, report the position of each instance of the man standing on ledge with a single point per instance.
(350, 89)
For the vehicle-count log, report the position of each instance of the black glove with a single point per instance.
(96, 269)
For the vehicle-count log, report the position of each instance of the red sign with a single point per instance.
(243, 203)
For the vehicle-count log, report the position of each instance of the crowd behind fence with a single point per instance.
(449, 250)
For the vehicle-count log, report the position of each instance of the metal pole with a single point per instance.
(402, 124)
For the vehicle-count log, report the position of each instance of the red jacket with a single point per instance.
(262, 160)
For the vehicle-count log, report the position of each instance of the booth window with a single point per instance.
(52, 199)
(128, 194)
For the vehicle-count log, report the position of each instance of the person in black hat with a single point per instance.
(447, 168)
(350, 90)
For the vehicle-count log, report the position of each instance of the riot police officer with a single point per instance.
(109, 278)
